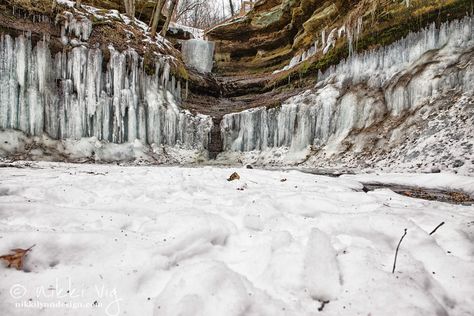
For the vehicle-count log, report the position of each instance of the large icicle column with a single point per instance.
(199, 54)
(361, 92)
(76, 94)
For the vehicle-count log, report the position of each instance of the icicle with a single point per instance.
(341, 31)
(331, 41)
(350, 40)
(70, 97)
(358, 29)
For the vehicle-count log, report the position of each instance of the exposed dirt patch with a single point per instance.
(453, 197)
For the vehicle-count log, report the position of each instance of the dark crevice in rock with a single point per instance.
(216, 144)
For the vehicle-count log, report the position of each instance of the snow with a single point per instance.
(78, 21)
(185, 241)
(43, 148)
(321, 269)
(196, 33)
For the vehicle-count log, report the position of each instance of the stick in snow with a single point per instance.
(434, 230)
(323, 303)
(396, 251)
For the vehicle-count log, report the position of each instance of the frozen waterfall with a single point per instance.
(362, 91)
(199, 54)
(77, 94)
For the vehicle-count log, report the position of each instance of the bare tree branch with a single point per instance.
(436, 228)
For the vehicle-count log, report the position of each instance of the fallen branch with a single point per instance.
(396, 251)
(436, 228)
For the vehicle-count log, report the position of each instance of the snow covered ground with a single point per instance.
(114, 240)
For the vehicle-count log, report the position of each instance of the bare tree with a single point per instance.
(156, 16)
(199, 13)
(129, 8)
(171, 9)
(185, 7)
(231, 6)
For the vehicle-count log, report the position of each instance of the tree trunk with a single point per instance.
(232, 10)
(156, 16)
(78, 3)
(169, 17)
(175, 14)
(129, 8)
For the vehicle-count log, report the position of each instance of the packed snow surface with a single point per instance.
(114, 240)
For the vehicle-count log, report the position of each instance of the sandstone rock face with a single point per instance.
(277, 31)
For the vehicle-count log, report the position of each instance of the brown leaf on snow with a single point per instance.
(234, 176)
(16, 259)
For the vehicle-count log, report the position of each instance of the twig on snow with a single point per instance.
(396, 251)
(436, 228)
(323, 303)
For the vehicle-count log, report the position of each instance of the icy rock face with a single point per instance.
(76, 94)
(79, 27)
(361, 92)
(199, 54)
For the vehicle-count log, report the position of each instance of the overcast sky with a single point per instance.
(224, 5)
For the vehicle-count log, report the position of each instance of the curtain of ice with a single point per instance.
(76, 94)
(199, 54)
(360, 92)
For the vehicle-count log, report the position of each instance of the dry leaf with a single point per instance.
(234, 176)
(16, 260)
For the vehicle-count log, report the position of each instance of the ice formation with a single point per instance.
(331, 41)
(390, 81)
(344, 31)
(73, 27)
(199, 54)
(78, 94)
